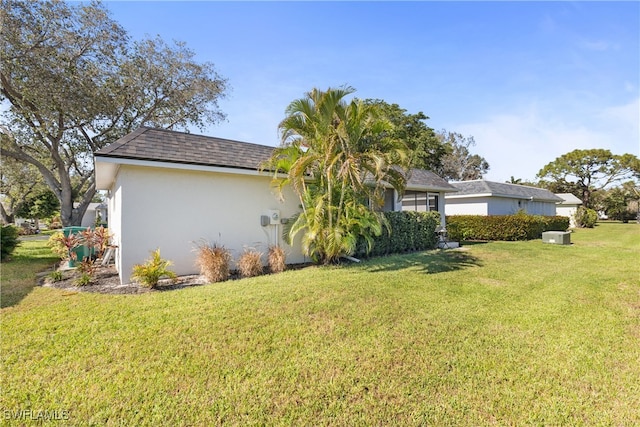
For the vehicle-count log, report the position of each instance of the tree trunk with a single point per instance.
(6, 218)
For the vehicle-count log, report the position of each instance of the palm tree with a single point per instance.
(338, 157)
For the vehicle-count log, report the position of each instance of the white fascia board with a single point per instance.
(430, 189)
(504, 196)
(467, 196)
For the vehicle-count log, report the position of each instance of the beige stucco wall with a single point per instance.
(171, 209)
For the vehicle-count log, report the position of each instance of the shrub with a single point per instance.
(84, 279)
(97, 239)
(54, 222)
(404, 232)
(8, 240)
(153, 270)
(586, 218)
(101, 237)
(63, 245)
(56, 245)
(276, 259)
(520, 226)
(55, 276)
(213, 261)
(249, 264)
(88, 266)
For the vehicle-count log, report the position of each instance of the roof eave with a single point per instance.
(107, 168)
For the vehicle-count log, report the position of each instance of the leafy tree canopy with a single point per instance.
(425, 148)
(584, 172)
(458, 164)
(74, 82)
(19, 183)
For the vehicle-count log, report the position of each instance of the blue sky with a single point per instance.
(530, 81)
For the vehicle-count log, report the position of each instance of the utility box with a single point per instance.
(557, 237)
(82, 251)
(274, 216)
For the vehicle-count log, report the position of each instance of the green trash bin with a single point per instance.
(82, 251)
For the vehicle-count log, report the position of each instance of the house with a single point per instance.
(93, 215)
(568, 207)
(171, 190)
(480, 197)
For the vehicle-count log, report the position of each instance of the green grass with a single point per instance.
(19, 274)
(504, 333)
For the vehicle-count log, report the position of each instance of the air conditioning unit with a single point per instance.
(557, 237)
(274, 216)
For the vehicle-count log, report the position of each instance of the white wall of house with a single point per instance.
(467, 206)
(114, 204)
(174, 209)
(493, 205)
(568, 211)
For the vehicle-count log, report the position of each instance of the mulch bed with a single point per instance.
(106, 281)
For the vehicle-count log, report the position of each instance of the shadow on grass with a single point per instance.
(20, 273)
(430, 262)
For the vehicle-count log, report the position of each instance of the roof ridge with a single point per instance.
(199, 135)
(122, 141)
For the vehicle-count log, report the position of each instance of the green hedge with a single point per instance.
(407, 232)
(503, 227)
(8, 240)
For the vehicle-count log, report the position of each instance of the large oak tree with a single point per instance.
(583, 172)
(458, 164)
(74, 82)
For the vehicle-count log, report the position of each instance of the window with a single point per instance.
(419, 201)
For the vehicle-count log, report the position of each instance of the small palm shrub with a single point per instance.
(276, 259)
(249, 264)
(213, 261)
(150, 273)
(8, 240)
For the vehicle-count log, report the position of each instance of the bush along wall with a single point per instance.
(503, 227)
(407, 232)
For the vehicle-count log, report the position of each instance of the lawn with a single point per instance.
(502, 333)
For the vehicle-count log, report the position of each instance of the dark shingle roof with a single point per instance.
(421, 178)
(159, 145)
(177, 147)
(502, 189)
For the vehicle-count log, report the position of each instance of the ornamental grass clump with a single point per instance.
(150, 273)
(250, 263)
(213, 261)
(276, 259)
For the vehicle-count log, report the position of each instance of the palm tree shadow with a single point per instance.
(428, 262)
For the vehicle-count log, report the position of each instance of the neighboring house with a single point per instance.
(480, 197)
(173, 190)
(568, 207)
(425, 191)
(90, 216)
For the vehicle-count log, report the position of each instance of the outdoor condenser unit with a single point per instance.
(557, 237)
